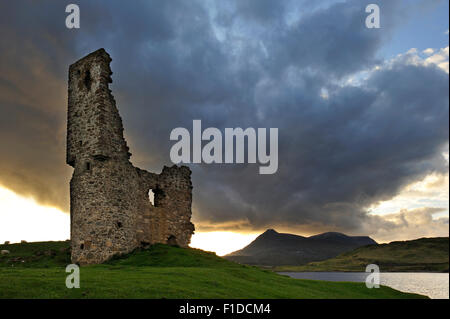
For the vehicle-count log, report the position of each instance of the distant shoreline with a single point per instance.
(426, 255)
(400, 268)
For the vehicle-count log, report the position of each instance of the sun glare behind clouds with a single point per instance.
(22, 218)
(221, 242)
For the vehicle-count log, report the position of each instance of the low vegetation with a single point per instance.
(37, 270)
(420, 255)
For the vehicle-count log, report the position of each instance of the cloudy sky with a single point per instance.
(362, 113)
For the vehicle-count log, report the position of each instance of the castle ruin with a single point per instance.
(110, 209)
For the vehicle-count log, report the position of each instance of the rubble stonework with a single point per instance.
(110, 209)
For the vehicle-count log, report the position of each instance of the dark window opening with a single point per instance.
(145, 244)
(81, 143)
(158, 196)
(88, 166)
(119, 224)
(82, 246)
(172, 241)
(87, 80)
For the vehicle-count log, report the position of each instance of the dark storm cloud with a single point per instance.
(238, 64)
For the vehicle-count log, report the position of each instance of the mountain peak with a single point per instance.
(273, 248)
(268, 234)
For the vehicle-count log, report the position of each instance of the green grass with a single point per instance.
(159, 272)
(420, 255)
(37, 255)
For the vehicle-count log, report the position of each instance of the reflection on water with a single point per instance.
(433, 285)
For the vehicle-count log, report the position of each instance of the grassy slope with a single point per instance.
(425, 254)
(159, 272)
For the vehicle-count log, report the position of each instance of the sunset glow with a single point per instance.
(22, 218)
(221, 243)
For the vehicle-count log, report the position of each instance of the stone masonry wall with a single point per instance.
(110, 209)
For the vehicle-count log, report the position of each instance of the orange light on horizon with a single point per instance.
(221, 242)
(22, 218)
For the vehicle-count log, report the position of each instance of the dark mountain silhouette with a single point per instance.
(276, 249)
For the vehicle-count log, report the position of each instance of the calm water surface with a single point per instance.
(433, 285)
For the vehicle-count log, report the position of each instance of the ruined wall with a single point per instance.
(110, 209)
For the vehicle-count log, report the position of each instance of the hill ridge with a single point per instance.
(274, 248)
(428, 254)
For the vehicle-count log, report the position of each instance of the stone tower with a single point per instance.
(110, 209)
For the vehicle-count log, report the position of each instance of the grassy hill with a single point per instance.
(424, 254)
(37, 270)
